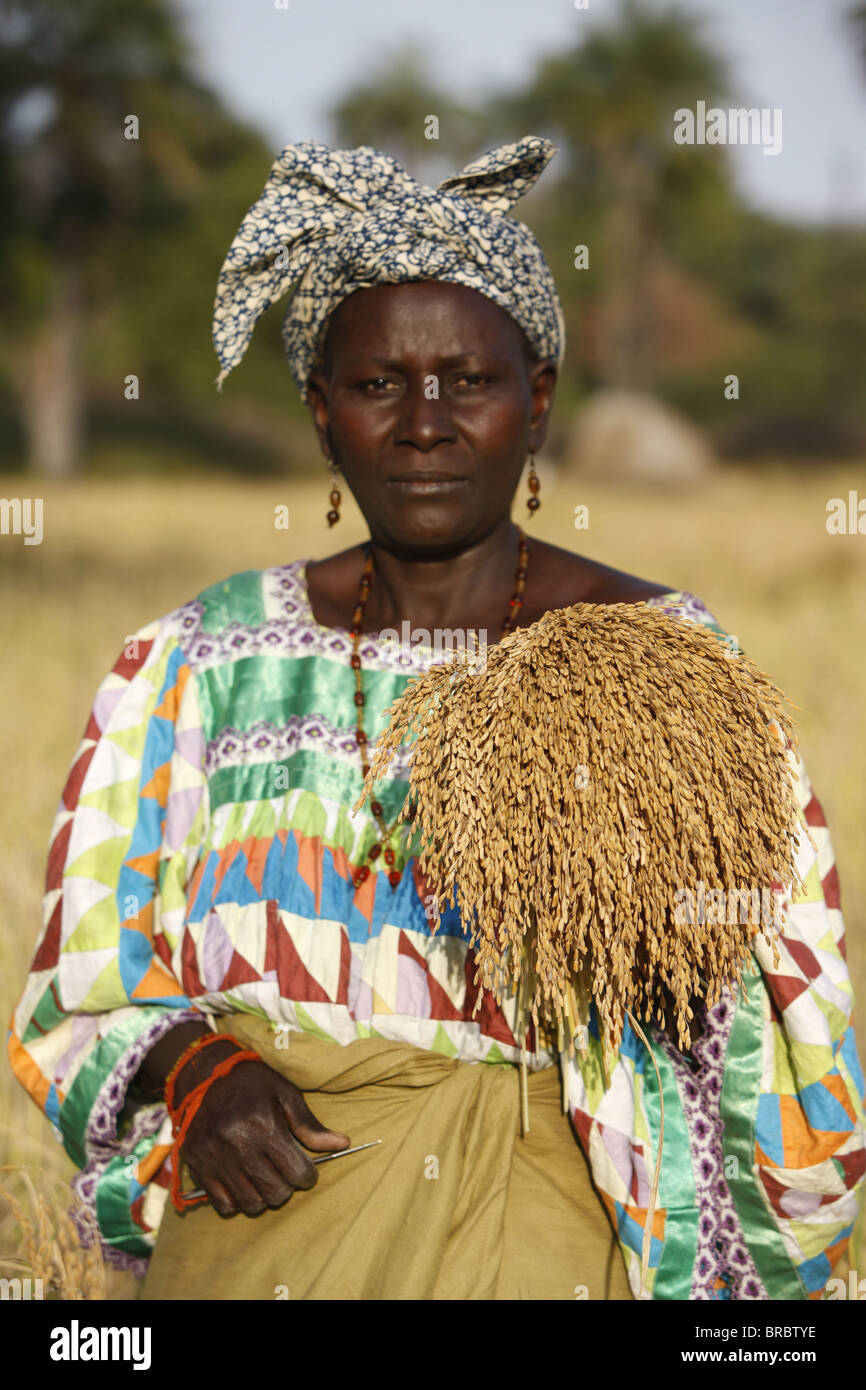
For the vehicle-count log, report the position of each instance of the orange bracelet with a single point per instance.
(186, 1056)
(184, 1116)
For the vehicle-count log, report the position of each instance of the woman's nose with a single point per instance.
(425, 418)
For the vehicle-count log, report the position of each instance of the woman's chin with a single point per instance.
(429, 524)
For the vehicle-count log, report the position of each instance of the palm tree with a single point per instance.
(391, 111)
(857, 20)
(610, 101)
(74, 185)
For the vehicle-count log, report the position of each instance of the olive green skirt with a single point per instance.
(453, 1204)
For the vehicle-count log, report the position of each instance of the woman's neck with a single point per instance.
(466, 591)
(469, 589)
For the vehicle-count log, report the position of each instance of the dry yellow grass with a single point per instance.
(116, 555)
(41, 1242)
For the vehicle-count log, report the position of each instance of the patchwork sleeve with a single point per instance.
(808, 1129)
(793, 1099)
(102, 988)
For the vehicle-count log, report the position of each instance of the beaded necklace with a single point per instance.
(384, 842)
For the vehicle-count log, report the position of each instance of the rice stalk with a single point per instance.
(606, 757)
(49, 1235)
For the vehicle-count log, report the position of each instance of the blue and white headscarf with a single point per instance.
(330, 222)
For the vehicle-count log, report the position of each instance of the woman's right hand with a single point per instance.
(244, 1144)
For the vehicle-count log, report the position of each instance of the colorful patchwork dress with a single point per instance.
(201, 861)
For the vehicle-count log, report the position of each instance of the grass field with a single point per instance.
(115, 555)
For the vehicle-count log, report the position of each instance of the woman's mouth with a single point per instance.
(427, 484)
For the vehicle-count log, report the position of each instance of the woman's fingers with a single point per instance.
(245, 1144)
(273, 1183)
(295, 1163)
(219, 1195)
(250, 1188)
(244, 1191)
(304, 1125)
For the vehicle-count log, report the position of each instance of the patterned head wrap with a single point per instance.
(330, 222)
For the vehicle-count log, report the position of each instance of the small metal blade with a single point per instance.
(341, 1153)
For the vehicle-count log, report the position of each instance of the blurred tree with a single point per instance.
(610, 100)
(107, 140)
(110, 247)
(857, 20)
(391, 111)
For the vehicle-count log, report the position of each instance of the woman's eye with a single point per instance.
(380, 383)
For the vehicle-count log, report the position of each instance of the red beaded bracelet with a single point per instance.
(186, 1056)
(183, 1117)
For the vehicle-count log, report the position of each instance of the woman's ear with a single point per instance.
(317, 399)
(543, 376)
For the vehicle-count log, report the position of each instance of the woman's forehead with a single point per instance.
(426, 314)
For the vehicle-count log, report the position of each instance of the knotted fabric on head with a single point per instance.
(330, 222)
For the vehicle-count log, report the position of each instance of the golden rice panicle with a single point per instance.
(50, 1235)
(607, 760)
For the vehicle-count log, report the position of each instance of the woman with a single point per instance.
(206, 870)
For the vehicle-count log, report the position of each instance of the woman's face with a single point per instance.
(429, 402)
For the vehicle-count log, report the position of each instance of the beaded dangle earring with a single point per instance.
(534, 485)
(334, 499)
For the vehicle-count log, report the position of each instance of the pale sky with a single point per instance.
(282, 69)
